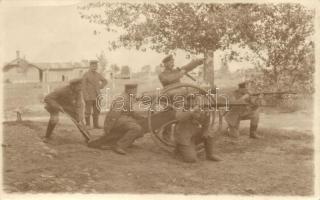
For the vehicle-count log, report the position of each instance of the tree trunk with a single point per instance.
(208, 68)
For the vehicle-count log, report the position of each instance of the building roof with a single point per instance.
(62, 66)
(19, 62)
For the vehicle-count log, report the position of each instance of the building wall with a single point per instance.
(22, 75)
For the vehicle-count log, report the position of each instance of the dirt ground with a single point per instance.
(279, 164)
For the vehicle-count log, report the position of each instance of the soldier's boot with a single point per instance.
(253, 131)
(127, 140)
(96, 122)
(233, 132)
(209, 146)
(49, 131)
(187, 153)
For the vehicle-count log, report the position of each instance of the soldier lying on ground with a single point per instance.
(193, 128)
(121, 128)
(250, 112)
(66, 99)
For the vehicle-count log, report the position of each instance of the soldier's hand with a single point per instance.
(183, 71)
(60, 108)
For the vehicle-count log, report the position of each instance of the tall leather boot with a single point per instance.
(96, 122)
(49, 131)
(253, 131)
(209, 144)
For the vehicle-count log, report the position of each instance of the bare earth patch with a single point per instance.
(279, 164)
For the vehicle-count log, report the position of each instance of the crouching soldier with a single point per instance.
(121, 127)
(193, 128)
(250, 112)
(67, 99)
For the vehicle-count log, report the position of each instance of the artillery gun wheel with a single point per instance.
(160, 135)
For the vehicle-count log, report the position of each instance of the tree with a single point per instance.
(281, 39)
(146, 69)
(278, 34)
(125, 71)
(115, 68)
(102, 61)
(197, 28)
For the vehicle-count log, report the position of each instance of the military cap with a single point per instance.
(167, 59)
(75, 81)
(242, 84)
(93, 62)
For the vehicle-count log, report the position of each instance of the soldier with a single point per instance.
(250, 112)
(92, 83)
(172, 75)
(121, 127)
(194, 127)
(66, 99)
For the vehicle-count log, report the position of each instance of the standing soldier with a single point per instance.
(121, 127)
(92, 83)
(250, 112)
(66, 99)
(172, 75)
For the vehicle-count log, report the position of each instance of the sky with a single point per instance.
(52, 31)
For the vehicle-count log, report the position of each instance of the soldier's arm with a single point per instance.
(104, 81)
(171, 77)
(193, 64)
(79, 107)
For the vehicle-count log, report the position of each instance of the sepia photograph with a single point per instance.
(160, 98)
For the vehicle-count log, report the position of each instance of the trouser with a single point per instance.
(53, 121)
(234, 123)
(124, 133)
(187, 137)
(91, 108)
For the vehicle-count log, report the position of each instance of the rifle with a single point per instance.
(271, 93)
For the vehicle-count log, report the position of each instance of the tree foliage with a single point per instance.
(281, 38)
(193, 27)
(146, 69)
(280, 35)
(102, 62)
(115, 68)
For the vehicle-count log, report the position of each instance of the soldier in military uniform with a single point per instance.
(250, 112)
(66, 99)
(193, 128)
(92, 83)
(121, 127)
(172, 75)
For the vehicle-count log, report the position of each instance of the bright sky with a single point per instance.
(52, 31)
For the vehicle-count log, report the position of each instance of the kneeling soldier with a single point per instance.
(192, 129)
(66, 99)
(121, 127)
(250, 112)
